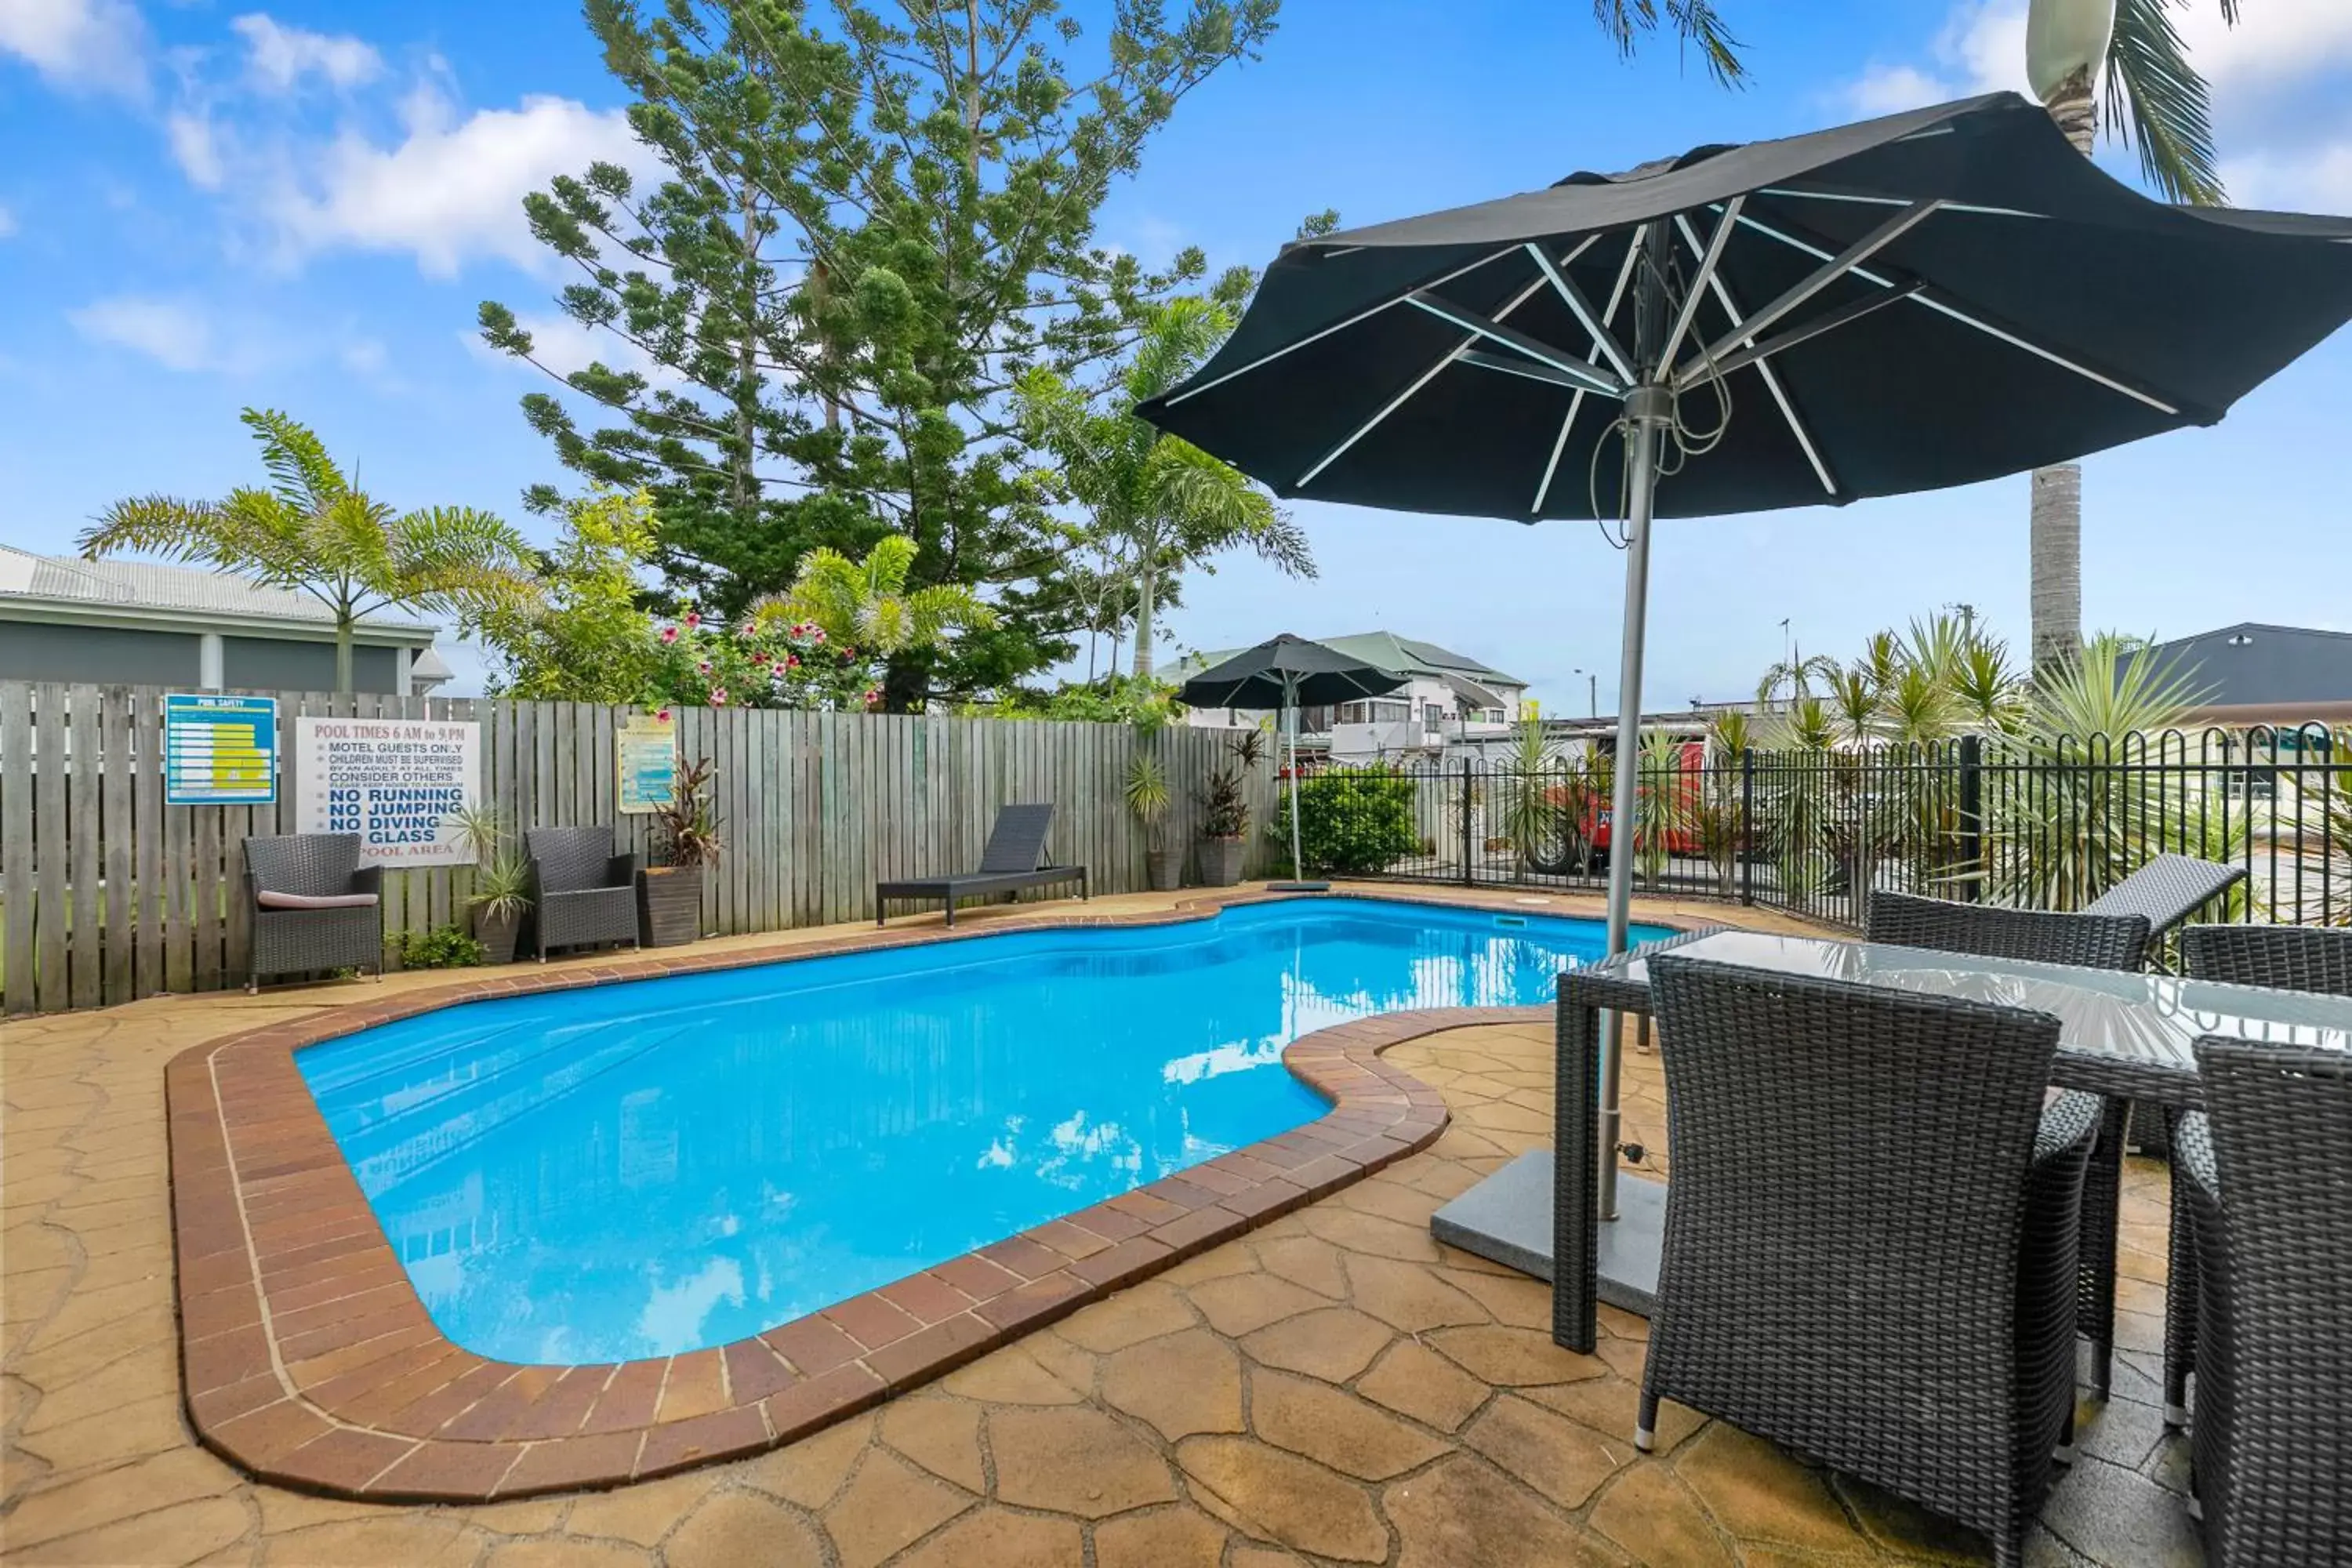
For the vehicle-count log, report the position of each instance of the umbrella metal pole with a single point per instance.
(1290, 710)
(1647, 409)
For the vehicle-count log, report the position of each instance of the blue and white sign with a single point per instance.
(219, 750)
(394, 782)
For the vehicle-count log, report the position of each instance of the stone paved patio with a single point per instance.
(1332, 1388)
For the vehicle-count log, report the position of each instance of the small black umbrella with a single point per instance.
(1283, 673)
(1926, 299)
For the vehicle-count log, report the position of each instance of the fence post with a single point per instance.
(1973, 816)
(1469, 878)
(1744, 846)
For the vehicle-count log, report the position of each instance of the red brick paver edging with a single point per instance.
(308, 1358)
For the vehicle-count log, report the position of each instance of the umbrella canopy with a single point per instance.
(1287, 672)
(1928, 300)
(1912, 302)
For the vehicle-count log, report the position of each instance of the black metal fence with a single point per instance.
(2039, 825)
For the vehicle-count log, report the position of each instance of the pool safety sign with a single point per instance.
(219, 750)
(394, 782)
(644, 751)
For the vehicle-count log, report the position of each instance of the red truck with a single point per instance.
(1682, 835)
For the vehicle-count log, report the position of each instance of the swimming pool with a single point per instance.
(663, 1165)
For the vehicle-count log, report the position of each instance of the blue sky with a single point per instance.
(204, 205)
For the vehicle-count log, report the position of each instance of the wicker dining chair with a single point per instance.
(2263, 1169)
(582, 893)
(2091, 941)
(313, 906)
(2285, 958)
(1869, 1252)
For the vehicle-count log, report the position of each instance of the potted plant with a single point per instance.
(502, 895)
(1147, 796)
(669, 895)
(1225, 817)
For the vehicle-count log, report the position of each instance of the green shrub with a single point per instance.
(443, 947)
(1354, 822)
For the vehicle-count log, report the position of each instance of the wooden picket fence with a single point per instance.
(108, 894)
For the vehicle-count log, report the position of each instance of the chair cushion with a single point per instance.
(268, 898)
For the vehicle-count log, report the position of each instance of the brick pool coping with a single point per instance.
(308, 1359)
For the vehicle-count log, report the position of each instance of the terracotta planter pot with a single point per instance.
(669, 905)
(1220, 861)
(496, 933)
(1167, 869)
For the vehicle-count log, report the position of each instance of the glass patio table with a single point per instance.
(2127, 1036)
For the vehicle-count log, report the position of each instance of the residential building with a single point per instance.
(136, 622)
(1447, 698)
(2256, 674)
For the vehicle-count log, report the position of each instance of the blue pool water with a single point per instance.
(654, 1167)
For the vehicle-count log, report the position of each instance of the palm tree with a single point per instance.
(2158, 102)
(866, 604)
(1168, 503)
(313, 531)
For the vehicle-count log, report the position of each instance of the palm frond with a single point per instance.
(2158, 102)
(296, 459)
(1694, 23)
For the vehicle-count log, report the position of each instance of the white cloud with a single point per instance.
(96, 45)
(449, 190)
(195, 148)
(1890, 89)
(2279, 40)
(176, 334)
(7, 223)
(279, 57)
(2311, 179)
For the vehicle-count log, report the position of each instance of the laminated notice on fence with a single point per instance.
(219, 750)
(394, 782)
(644, 750)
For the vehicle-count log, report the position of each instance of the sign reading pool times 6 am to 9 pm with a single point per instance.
(219, 750)
(394, 782)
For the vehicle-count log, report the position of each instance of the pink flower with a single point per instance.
(800, 628)
(693, 619)
(718, 696)
(792, 661)
(873, 695)
(669, 634)
(849, 653)
(816, 634)
(662, 715)
(704, 666)
(759, 662)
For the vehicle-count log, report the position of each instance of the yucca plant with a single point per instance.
(1531, 818)
(2085, 824)
(1662, 805)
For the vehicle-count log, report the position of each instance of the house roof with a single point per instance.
(2251, 665)
(1388, 651)
(69, 583)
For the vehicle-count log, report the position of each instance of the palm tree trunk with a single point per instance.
(342, 651)
(2055, 547)
(1146, 583)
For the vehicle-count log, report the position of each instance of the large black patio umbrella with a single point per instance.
(1926, 299)
(1283, 673)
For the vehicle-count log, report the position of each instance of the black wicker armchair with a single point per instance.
(314, 907)
(582, 893)
(2092, 941)
(2285, 958)
(2264, 1169)
(1870, 1235)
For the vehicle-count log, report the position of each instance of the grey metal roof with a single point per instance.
(2251, 665)
(148, 585)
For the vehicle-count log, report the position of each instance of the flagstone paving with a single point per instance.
(1332, 1388)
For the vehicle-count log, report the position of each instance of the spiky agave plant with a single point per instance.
(2084, 823)
(1530, 815)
